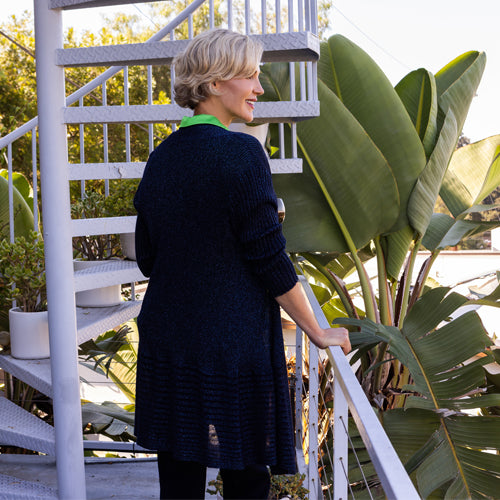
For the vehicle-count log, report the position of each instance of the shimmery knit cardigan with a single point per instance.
(211, 381)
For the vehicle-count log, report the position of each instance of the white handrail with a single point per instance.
(390, 470)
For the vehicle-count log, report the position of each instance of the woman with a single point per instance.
(211, 383)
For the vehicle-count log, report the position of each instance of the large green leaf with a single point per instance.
(334, 195)
(473, 173)
(457, 83)
(21, 184)
(368, 94)
(425, 193)
(445, 231)
(417, 91)
(395, 246)
(23, 216)
(438, 353)
(409, 430)
(116, 353)
(463, 457)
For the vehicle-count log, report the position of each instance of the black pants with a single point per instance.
(186, 480)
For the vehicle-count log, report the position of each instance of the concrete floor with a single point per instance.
(118, 479)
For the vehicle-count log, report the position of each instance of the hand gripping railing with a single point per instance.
(349, 396)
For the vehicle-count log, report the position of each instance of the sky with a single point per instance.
(400, 35)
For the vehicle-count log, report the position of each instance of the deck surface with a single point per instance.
(117, 479)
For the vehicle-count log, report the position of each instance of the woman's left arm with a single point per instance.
(255, 221)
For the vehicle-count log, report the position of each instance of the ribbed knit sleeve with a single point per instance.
(144, 250)
(255, 220)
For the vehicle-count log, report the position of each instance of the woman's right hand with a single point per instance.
(295, 303)
(332, 337)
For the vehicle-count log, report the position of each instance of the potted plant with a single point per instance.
(120, 203)
(22, 280)
(93, 250)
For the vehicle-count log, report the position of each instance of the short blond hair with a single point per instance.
(216, 55)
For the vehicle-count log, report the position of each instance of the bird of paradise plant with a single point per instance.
(374, 163)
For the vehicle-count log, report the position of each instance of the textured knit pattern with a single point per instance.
(211, 382)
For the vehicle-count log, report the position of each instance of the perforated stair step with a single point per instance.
(12, 488)
(20, 428)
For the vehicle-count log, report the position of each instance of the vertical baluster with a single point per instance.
(298, 388)
(230, 14)
(105, 137)
(314, 16)
(81, 130)
(10, 192)
(302, 70)
(340, 450)
(313, 421)
(35, 179)
(310, 83)
(150, 102)
(300, 8)
(294, 140)
(290, 16)
(278, 16)
(263, 13)
(247, 17)
(307, 12)
(281, 130)
(314, 67)
(126, 102)
(211, 11)
(190, 26)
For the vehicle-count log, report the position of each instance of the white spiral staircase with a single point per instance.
(58, 377)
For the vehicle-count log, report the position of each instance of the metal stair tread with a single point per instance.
(103, 225)
(134, 169)
(83, 4)
(272, 111)
(13, 488)
(91, 322)
(20, 428)
(279, 47)
(37, 374)
(107, 273)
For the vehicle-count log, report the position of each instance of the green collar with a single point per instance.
(187, 121)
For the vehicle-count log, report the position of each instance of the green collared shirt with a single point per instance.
(187, 121)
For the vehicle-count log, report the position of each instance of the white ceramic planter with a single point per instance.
(29, 334)
(98, 297)
(127, 242)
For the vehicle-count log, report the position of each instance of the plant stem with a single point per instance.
(434, 256)
(28, 398)
(381, 350)
(324, 271)
(7, 379)
(406, 291)
(404, 378)
(383, 292)
(368, 297)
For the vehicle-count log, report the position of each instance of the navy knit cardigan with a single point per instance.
(211, 380)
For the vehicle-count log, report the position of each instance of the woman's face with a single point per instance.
(236, 98)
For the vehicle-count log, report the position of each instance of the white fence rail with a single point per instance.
(348, 397)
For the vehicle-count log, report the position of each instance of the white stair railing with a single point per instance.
(348, 397)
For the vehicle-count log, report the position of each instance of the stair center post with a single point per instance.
(58, 253)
